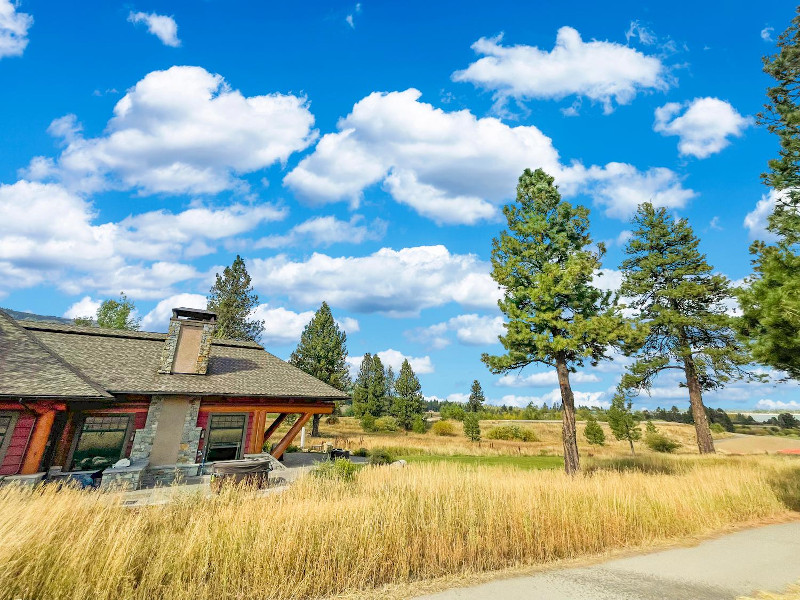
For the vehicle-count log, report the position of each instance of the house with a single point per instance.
(78, 399)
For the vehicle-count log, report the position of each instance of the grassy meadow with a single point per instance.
(387, 526)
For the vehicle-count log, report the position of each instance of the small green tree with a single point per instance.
(476, 397)
(594, 432)
(623, 424)
(233, 299)
(472, 427)
(408, 402)
(84, 321)
(118, 314)
(546, 263)
(322, 353)
(369, 389)
(419, 425)
(683, 307)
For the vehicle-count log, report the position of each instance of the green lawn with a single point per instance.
(521, 462)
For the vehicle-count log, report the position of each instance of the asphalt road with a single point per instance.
(767, 558)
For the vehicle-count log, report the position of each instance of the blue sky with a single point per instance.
(359, 154)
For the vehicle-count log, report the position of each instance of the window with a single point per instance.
(7, 421)
(225, 437)
(101, 442)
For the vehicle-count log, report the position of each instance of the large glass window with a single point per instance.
(225, 437)
(101, 442)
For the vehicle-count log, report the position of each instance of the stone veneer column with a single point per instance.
(170, 345)
(190, 439)
(143, 438)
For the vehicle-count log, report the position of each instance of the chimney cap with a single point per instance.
(194, 313)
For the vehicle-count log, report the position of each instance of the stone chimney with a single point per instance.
(188, 343)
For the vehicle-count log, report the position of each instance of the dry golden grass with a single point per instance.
(348, 434)
(793, 593)
(325, 537)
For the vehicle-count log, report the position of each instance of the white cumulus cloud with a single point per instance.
(756, 220)
(394, 282)
(768, 404)
(704, 126)
(181, 131)
(602, 71)
(394, 358)
(163, 27)
(85, 307)
(158, 318)
(327, 230)
(456, 168)
(470, 330)
(13, 29)
(544, 379)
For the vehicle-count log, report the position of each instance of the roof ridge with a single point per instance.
(91, 383)
(123, 333)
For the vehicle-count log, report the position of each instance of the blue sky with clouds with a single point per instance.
(359, 153)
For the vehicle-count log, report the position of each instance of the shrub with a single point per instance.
(380, 456)
(386, 424)
(419, 425)
(472, 428)
(332, 420)
(368, 423)
(594, 433)
(511, 432)
(451, 410)
(650, 428)
(443, 428)
(363, 452)
(340, 469)
(293, 448)
(717, 428)
(660, 443)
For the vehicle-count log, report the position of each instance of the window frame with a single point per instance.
(207, 432)
(81, 421)
(14, 414)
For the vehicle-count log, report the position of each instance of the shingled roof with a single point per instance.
(127, 362)
(29, 369)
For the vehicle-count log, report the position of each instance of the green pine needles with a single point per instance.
(683, 313)
(546, 263)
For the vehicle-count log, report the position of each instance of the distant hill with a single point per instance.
(26, 316)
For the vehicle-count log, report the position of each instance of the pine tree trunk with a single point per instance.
(704, 441)
(571, 457)
(315, 425)
(630, 441)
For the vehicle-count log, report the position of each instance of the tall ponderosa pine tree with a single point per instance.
(683, 309)
(770, 301)
(476, 397)
(408, 402)
(322, 353)
(545, 263)
(370, 395)
(116, 314)
(233, 299)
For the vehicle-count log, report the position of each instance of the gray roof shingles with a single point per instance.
(28, 369)
(128, 361)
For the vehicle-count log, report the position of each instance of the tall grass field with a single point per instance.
(323, 537)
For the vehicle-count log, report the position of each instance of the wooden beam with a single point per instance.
(290, 435)
(322, 409)
(275, 424)
(38, 443)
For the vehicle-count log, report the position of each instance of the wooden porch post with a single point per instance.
(275, 424)
(38, 442)
(290, 435)
(65, 441)
(257, 438)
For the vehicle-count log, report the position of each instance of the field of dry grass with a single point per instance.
(326, 537)
(348, 434)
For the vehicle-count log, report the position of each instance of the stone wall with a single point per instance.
(190, 439)
(143, 438)
(171, 343)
